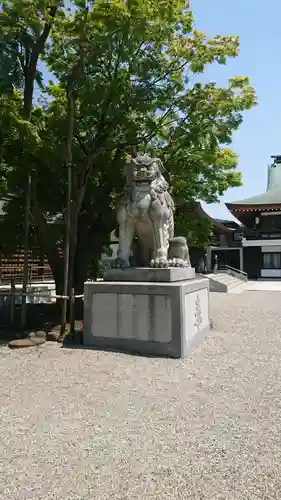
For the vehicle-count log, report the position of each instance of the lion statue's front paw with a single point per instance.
(119, 263)
(176, 262)
(159, 263)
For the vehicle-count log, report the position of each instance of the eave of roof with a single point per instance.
(198, 209)
(235, 209)
(272, 197)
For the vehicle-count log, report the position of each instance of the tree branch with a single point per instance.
(81, 145)
(31, 67)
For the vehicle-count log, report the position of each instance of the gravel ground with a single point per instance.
(77, 424)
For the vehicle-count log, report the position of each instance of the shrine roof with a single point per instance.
(268, 200)
(219, 225)
(270, 197)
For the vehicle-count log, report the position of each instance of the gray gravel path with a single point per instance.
(78, 424)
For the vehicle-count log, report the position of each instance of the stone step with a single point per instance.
(233, 284)
(230, 282)
(227, 278)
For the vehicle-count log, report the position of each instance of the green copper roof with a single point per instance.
(272, 196)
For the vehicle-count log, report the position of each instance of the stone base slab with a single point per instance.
(27, 342)
(150, 274)
(165, 319)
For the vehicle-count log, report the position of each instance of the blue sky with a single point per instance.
(258, 25)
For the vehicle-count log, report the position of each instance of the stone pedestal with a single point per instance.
(148, 317)
(144, 274)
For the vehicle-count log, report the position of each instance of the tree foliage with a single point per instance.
(123, 74)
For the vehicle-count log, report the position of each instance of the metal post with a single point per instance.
(26, 251)
(12, 302)
(241, 259)
(72, 312)
(66, 251)
(209, 257)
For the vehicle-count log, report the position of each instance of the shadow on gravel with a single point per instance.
(39, 317)
(71, 344)
(76, 342)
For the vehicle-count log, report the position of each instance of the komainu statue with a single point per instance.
(146, 219)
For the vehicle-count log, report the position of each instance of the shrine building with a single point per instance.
(260, 217)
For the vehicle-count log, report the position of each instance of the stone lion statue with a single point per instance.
(145, 217)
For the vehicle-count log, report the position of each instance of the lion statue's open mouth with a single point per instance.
(148, 214)
(139, 181)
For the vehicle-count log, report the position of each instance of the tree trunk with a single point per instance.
(48, 244)
(82, 259)
(30, 70)
(79, 278)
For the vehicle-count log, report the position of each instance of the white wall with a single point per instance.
(271, 249)
(261, 243)
(271, 273)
